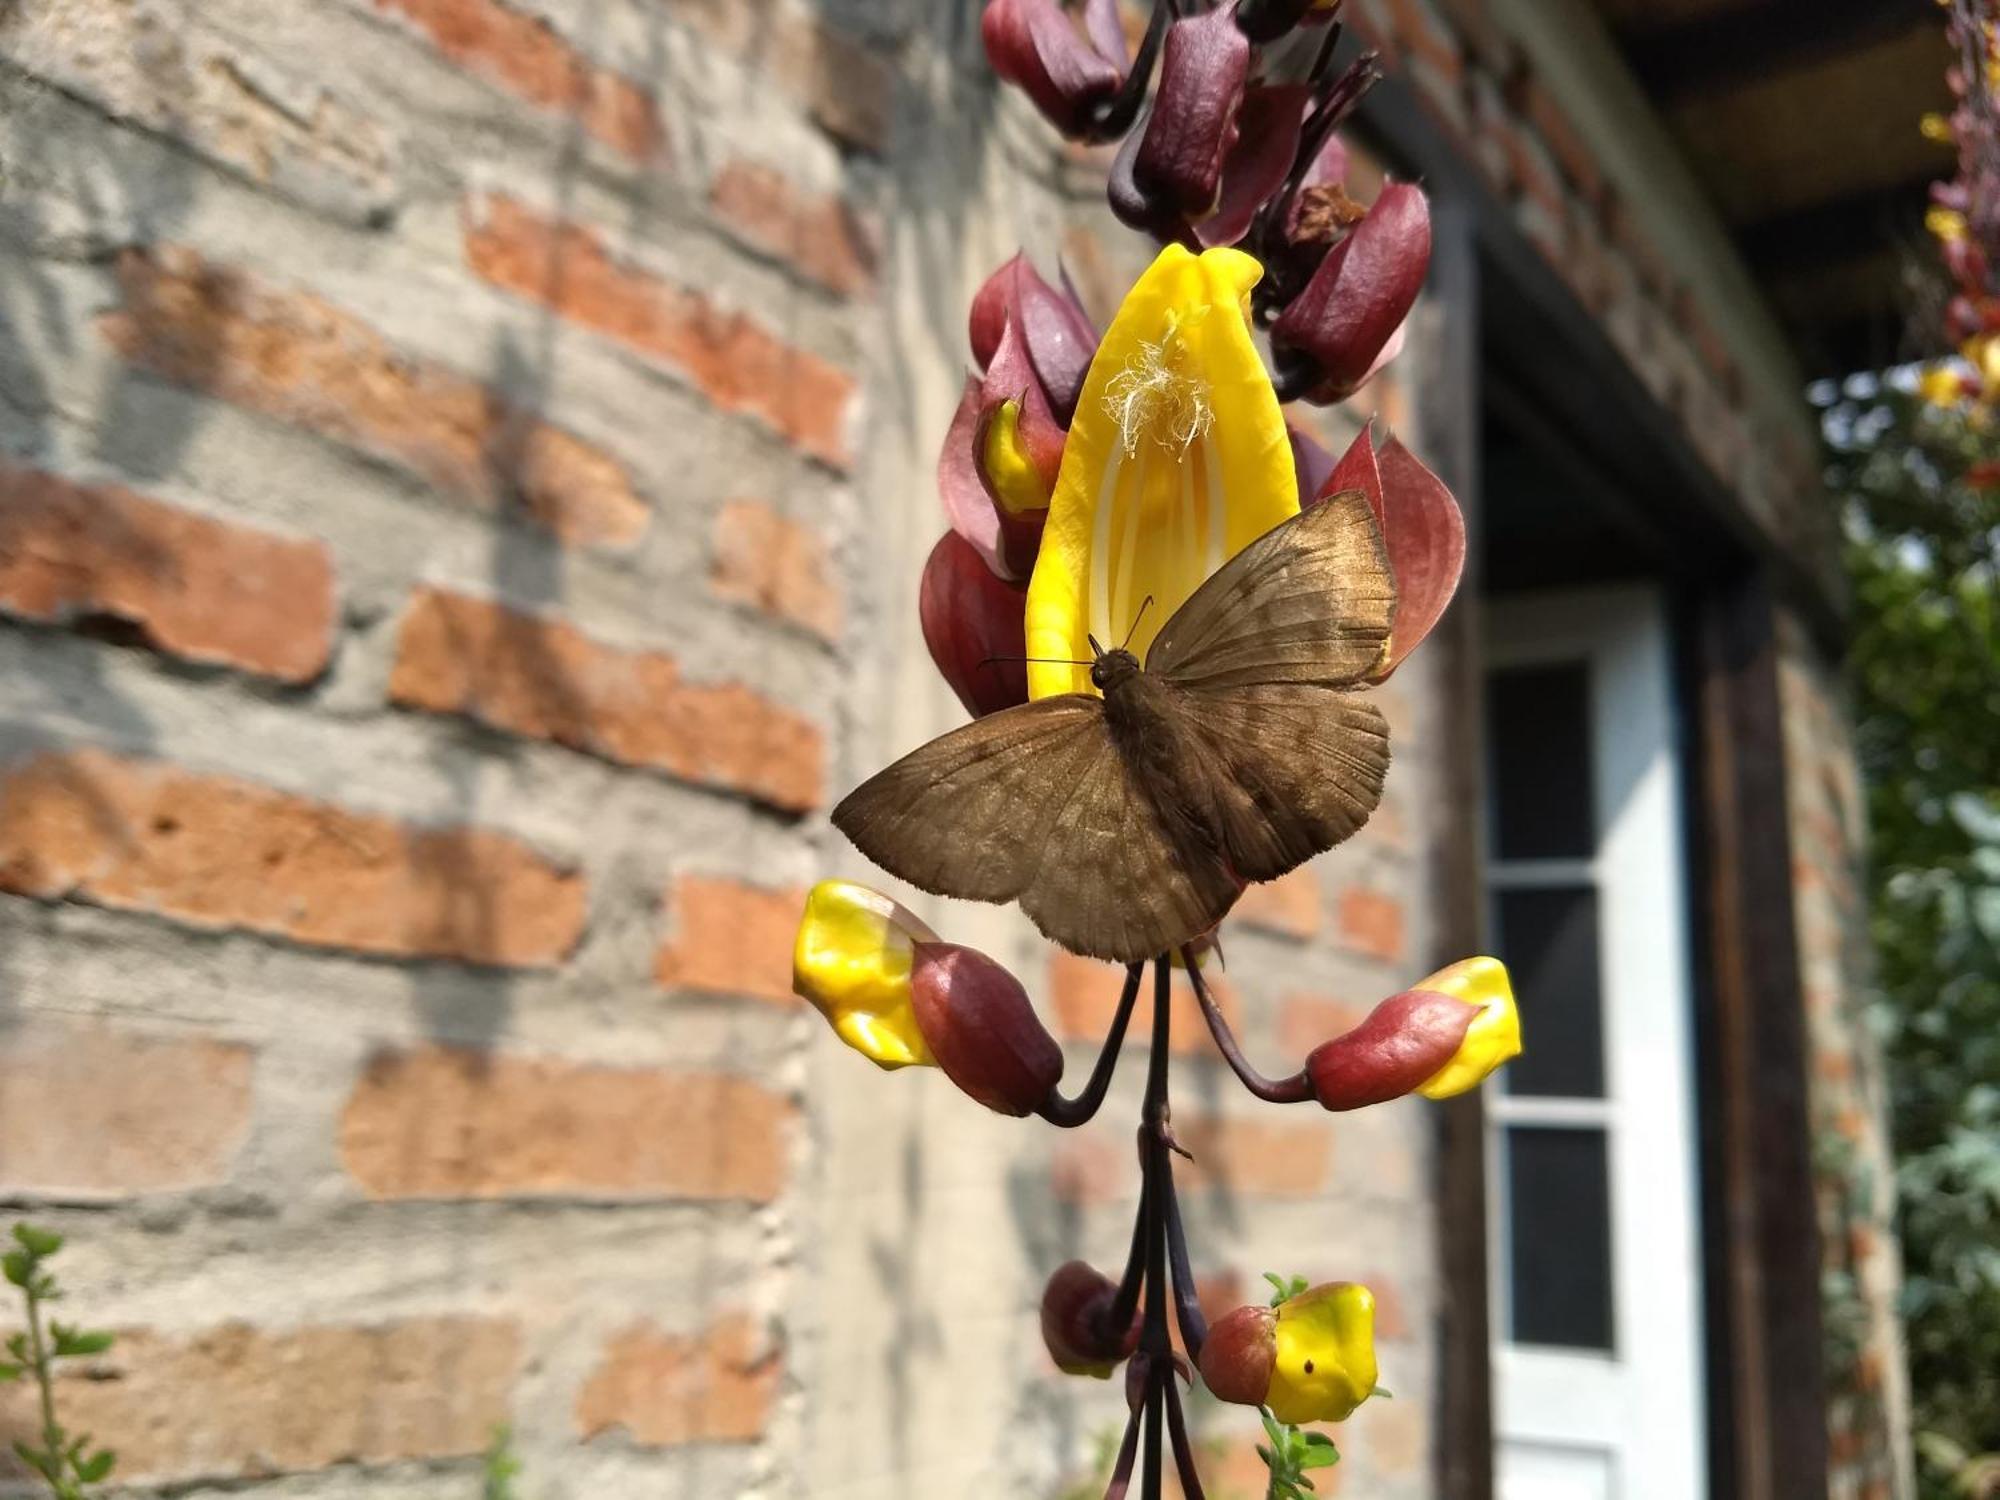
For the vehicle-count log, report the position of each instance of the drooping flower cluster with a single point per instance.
(1965, 214)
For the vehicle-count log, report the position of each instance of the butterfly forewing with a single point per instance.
(1311, 600)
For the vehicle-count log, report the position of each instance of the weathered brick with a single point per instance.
(195, 586)
(297, 359)
(776, 565)
(1396, 1436)
(1084, 995)
(1288, 905)
(730, 937)
(821, 236)
(216, 852)
(1304, 1021)
(87, 1110)
(544, 678)
(1255, 1156)
(730, 358)
(524, 55)
(442, 1122)
(152, 64)
(848, 89)
(1575, 155)
(1372, 923)
(238, 1402)
(714, 1386)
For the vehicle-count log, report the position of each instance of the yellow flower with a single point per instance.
(1941, 385)
(1177, 459)
(1495, 1033)
(853, 958)
(1325, 1364)
(1946, 224)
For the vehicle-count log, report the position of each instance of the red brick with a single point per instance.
(195, 586)
(1257, 1157)
(524, 55)
(715, 1386)
(546, 679)
(1084, 994)
(777, 565)
(848, 89)
(730, 938)
(1425, 38)
(237, 1402)
(443, 1122)
(216, 852)
(728, 357)
(1565, 142)
(1396, 1436)
(1372, 924)
(1304, 1021)
(1288, 905)
(819, 235)
(299, 360)
(87, 1110)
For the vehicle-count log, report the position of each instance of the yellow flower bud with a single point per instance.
(852, 960)
(1010, 470)
(1495, 1033)
(1325, 1364)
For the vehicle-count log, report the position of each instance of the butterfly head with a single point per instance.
(1109, 668)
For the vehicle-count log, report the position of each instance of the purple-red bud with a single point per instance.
(1054, 330)
(1075, 1308)
(1033, 45)
(1239, 1354)
(1193, 122)
(1405, 1041)
(1358, 298)
(1267, 140)
(982, 1028)
(969, 617)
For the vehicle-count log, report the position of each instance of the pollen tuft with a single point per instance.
(1155, 396)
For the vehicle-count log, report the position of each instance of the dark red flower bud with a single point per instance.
(1267, 140)
(1405, 1041)
(1239, 1354)
(1193, 121)
(1075, 1308)
(1357, 299)
(1033, 45)
(970, 616)
(1055, 330)
(1423, 532)
(982, 1028)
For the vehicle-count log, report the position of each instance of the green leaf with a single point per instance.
(18, 1265)
(37, 1460)
(9, 1372)
(97, 1466)
(40, 1243)
(76, 1341)
(1384, 1392)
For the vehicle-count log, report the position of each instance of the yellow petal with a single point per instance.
(1326, 1354)
(1941, 385)
(1177, 459)
(852, 960)
(1495, 1033)
(1016, 482)
(1947, 224)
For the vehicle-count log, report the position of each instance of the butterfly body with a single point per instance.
(1129, 823)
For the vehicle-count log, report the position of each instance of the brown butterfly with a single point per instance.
(1127, 825)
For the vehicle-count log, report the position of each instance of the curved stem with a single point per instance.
(1070, 1113)
(1127, 1301)
(1187, 1308)
(1154, 1343)
(1294, 1090)
(1122, 108)
(1128, 1450)
(1183, 1449)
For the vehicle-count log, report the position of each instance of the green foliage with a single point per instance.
(1284, 1288)
(66, 1460)
(1290, 1453)
(1921, 492)
(502, 1467)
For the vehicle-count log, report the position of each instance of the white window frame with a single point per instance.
(1629, 1424)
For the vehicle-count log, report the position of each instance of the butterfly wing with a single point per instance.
(1036, 804)
(1311, 600)
(1255, 664)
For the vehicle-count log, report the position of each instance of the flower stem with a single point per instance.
(1069, 1113)
(1294, 1090)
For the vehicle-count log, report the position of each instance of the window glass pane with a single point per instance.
(1538, 724)
(1548, 940)
(1559, 1237)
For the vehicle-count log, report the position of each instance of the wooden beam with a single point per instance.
(1845, 228)
(1690, 59)
(1767, 1412)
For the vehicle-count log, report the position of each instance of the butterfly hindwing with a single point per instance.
(1311, 600)
(1036, 803)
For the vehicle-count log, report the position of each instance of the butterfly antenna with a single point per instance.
(1144, 605)
(1058, 661)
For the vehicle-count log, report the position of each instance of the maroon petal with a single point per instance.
(1312, 464)
(982, 1028)
(1012, 377)
(1057, 332)
(1361, 293)
(1193, 123)
(1101, 23)
(1357, 470)
(1034, 45)
(967, 504)
(1405, 1040)
(1424, 533)
(992, 305)
(970, 617)
(1267, 138)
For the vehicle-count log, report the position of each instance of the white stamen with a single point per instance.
(1154, 396)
